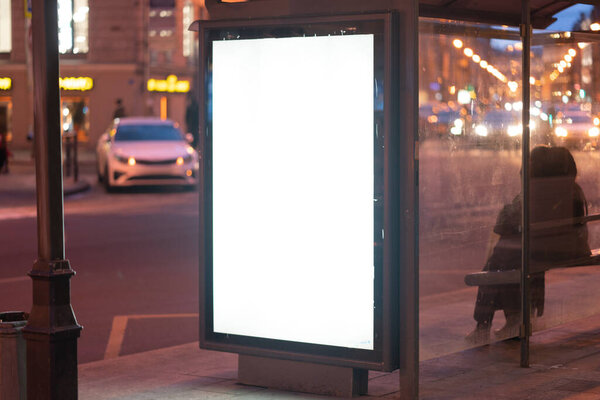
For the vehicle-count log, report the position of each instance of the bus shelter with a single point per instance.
(447, 129)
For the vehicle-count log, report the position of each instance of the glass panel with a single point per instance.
(564, 178)
(5, 27)
(470, 157)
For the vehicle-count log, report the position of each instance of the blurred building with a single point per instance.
(139, 51)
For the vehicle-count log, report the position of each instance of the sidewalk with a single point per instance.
(565, 364)
(21, 161)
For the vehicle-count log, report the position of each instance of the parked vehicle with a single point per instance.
(145, 151)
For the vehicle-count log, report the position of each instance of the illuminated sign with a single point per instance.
(328, 228)
(295, 263)
(170, 85)
(80, 83)
(27, 8)
(5, 83)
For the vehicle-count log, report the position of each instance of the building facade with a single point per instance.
(135, 51)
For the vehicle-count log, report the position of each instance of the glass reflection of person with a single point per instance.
(554, 196)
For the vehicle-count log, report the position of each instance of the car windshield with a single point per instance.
(147, 133)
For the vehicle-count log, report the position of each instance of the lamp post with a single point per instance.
(51, 332)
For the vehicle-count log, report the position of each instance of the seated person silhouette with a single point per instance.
(554, 197)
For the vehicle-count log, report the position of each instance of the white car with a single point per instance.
(145, 151)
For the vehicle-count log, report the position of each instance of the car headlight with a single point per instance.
(514, 130)
(123, 159)
(481, 130)
(560, 131)
(459, 122)
(183, 159)
(594, 131)
(455, 130)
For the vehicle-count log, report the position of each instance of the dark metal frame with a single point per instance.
(525, 332)
(385, 354)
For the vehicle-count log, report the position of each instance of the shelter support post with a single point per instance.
(407, 188)
(526, 92)
(51, 332)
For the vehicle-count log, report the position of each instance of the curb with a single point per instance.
(76, 187)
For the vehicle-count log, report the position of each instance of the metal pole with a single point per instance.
(67, 147)
(75, 158)
(525, 309)
(52, 330)
(407, 167)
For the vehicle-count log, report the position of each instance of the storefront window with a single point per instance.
(5, 27)
(188, 36)
(75, 117)
(73, 26)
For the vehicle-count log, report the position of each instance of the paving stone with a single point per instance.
(579, 385)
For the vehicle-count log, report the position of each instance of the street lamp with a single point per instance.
(52, 330)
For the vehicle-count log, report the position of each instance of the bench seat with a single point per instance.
(513, 276)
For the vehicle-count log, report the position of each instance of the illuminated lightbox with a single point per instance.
(293, 190)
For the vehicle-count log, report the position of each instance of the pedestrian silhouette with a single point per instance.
(120, 110)
(4, 153)
(555, 197)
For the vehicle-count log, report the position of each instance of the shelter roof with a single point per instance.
(500, 12)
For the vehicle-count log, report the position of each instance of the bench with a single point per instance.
(513, 276)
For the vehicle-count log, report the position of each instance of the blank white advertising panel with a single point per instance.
(293, 189)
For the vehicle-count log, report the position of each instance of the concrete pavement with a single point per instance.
(565, 364)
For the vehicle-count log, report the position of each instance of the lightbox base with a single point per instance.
(303, 377)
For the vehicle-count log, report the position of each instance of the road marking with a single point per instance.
(15, 279)
(119, 326)
(115, 340)
(17, 213)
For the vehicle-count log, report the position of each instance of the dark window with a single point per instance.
(162, 3)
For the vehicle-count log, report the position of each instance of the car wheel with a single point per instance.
(107, 186)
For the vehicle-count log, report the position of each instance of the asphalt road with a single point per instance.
(136, 260)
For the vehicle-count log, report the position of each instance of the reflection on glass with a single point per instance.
(556, 200)
(469, 161)
(470, 131)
